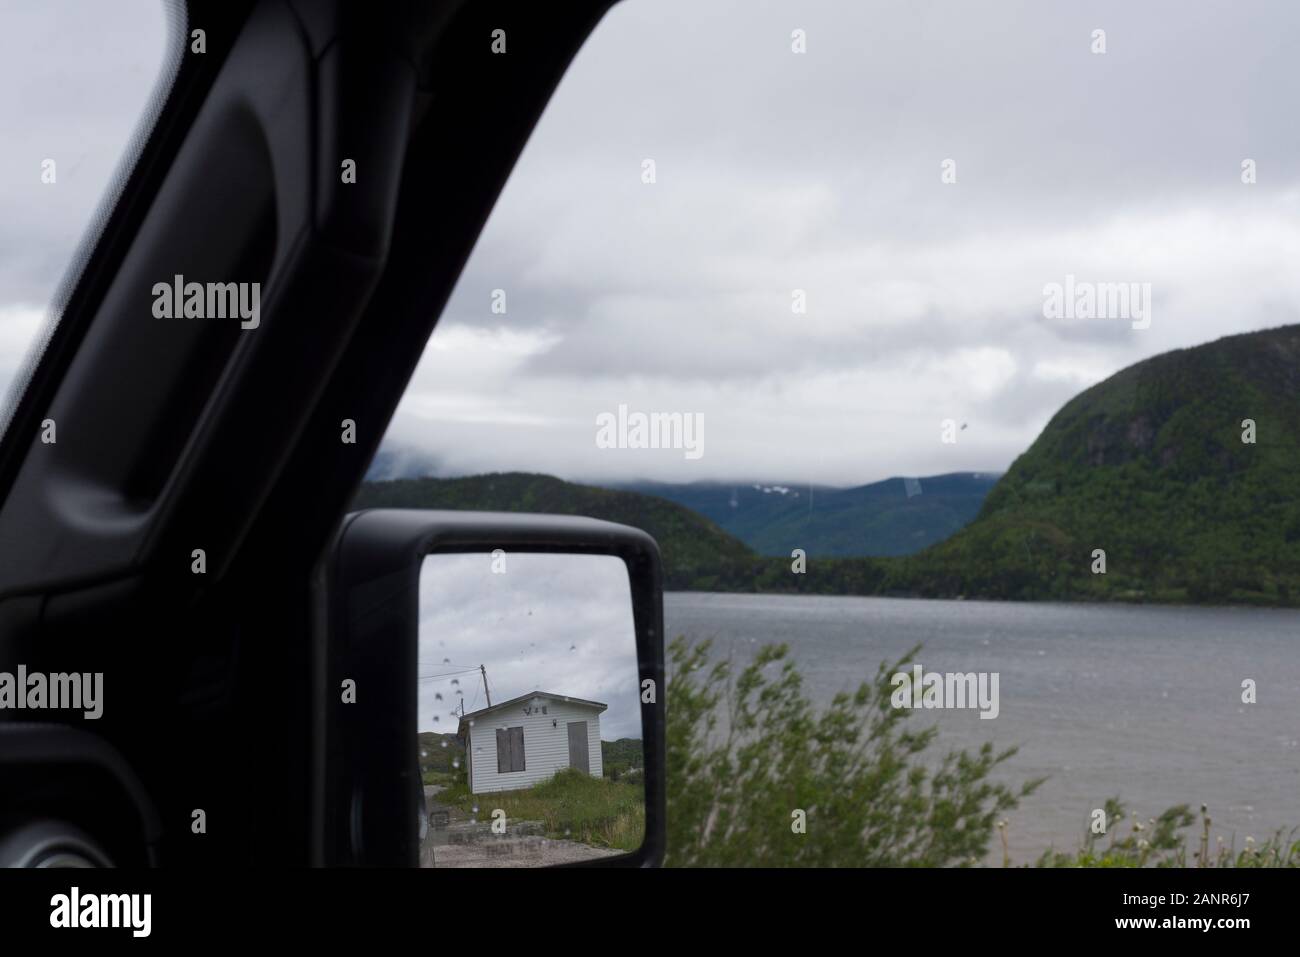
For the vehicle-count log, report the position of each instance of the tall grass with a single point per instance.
(1161, 842)
(758, 777)
(572, 806)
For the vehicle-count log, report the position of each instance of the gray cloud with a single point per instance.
(778, 172)
(550, 622)
(820, 172)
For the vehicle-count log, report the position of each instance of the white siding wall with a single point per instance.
(546, 746)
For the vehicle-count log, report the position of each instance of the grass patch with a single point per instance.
(572, 805)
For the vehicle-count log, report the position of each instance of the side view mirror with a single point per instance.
(489, 691)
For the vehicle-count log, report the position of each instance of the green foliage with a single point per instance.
(1160, 842)
(746, 750)
(622, 758)
(437, 754)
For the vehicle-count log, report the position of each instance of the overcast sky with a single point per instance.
(778, 171)
(545, 622)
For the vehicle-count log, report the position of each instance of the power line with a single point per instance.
(452, 664)
(445, 674)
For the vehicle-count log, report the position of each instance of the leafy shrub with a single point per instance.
(746, 752)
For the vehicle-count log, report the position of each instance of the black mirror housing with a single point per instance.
(367, 781)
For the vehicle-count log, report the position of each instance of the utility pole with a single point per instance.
(485, 687)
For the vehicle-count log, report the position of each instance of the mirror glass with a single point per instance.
(529, 728)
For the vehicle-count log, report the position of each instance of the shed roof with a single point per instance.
(567, 698)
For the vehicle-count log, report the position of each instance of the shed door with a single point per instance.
(578, 757)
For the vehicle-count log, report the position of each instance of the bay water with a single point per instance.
(1141, 702)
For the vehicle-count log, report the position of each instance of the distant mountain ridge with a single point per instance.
(896, 516)
(1175, 480)
(698, 553)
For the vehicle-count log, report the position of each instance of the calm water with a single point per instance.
(1140, 702)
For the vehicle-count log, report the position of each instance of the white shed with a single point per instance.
(524, 741)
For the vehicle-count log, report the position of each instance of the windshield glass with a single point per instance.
(80, 84)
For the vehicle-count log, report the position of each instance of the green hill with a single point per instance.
(442, 757)
(696, 553)
(624, 757)
(1150, 466)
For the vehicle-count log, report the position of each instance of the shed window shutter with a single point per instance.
(503, 750)
(517, 749)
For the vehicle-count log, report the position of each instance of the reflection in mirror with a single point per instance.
(529, 721)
